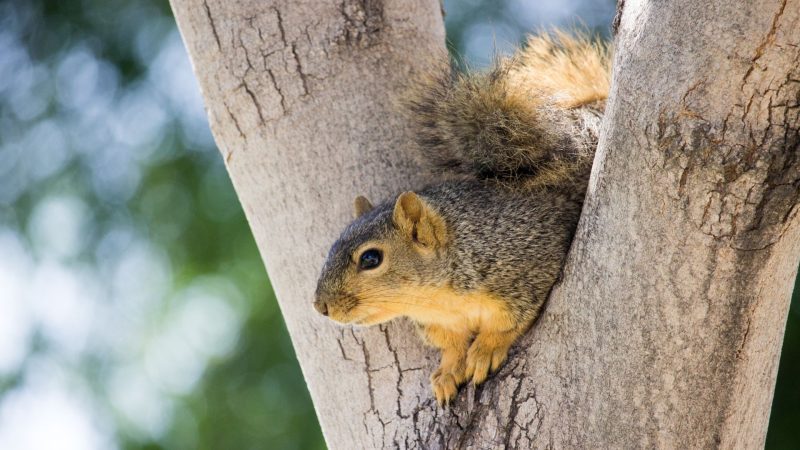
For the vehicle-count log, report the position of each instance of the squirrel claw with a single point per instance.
(445, 387)
(483, 360)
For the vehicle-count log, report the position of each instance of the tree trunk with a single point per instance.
(667, 326)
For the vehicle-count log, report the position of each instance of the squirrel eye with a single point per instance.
(370, 259)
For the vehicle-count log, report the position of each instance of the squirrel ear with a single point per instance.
(419, 221)
(362, 206)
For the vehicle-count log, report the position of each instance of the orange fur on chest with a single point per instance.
(470, 312)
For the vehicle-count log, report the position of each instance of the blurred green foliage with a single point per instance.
(138, 308)
(141, 168)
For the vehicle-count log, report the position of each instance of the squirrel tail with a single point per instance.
(519, 121)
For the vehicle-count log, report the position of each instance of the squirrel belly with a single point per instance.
(473, 258)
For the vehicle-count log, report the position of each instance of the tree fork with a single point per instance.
(667, 327)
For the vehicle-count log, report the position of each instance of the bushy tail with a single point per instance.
(519, 119)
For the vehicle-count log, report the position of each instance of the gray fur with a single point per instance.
(507, 238)
(509, 242)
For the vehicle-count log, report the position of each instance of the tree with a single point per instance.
(667, 325)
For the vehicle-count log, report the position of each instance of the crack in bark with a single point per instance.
(235, 124)
(278, 90)
(213, 26)
(300, 72)
(768, 39)
(280, 25)
(740, 350)
(368, 372)
(255, 102)
(400, 394)
(258, 43)
(341, 347)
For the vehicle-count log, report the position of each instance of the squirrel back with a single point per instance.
(523, 122)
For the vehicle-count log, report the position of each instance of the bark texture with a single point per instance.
(667, 327)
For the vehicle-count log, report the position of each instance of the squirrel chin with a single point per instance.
(362, 320)
(370, 320)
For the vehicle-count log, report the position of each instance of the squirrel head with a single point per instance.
(375, 266)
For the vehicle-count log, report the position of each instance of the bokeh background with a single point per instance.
(134, 309)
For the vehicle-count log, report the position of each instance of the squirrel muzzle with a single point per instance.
(336, 304)
(321, 299)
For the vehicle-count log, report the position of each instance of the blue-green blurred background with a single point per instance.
(134, 309)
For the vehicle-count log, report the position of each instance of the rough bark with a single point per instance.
(667, 326)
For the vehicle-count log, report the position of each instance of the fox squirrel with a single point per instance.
(472, 259)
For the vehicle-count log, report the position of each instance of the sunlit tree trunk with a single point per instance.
(667, 326)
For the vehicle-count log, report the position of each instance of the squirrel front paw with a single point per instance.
(486, 354)
(445, 387)
(445, 382)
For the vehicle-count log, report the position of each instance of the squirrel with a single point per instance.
(472, 259)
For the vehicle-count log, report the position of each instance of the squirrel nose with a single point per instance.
(321, 307)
